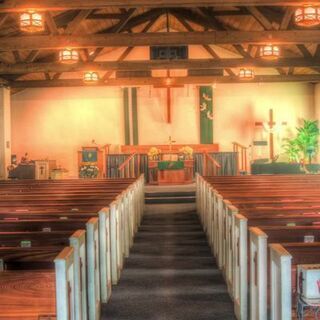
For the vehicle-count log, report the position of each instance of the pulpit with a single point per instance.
(91, 162)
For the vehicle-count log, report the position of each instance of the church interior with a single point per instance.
(159, 159)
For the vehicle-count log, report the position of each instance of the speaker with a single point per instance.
(169, 53)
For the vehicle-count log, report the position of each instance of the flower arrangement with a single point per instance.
(89, 171)
(154, 153)
(187, 152)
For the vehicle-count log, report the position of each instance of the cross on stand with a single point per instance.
(271, 126)
(168, 85)
(171, 142)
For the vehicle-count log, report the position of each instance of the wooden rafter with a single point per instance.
(59, 5)
(284, 25)
(175, 38)
(148, 65)
(159, 81)
(266, 24)
(128, 50)
(3, 18)
(53, 29)
(75, 23)
(115, 29)
(206, 47)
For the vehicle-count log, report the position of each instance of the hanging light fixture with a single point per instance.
(91, 77)
(307, 16)
(246, 74)
(269, 52)
(31, 21)
(69, 56)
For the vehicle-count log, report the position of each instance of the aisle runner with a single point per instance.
(130, 116)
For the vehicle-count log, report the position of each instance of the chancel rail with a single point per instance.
(227, 160)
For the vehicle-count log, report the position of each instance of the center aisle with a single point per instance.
(170, 274)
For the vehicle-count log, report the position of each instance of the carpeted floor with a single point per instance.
(170, 274)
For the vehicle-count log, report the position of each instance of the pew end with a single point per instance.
(94, 302)
(105, 254)
(65, 286)
(280, 268)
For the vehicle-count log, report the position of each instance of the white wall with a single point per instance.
(239, 106)
(55, 123)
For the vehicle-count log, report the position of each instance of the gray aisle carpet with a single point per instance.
(170, 274)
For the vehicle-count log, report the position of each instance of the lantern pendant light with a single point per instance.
(307, 16)
(31, 21)
(91, 77)
(69, 56)
(246, 74)
(269, 52)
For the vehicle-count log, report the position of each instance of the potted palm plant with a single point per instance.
(304, 147)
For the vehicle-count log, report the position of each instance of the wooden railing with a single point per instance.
(241, 150)
(210, 165)
(129, 169)
(227, 161)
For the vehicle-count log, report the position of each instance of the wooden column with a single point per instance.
(5, 131)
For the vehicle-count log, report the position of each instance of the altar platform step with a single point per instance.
(170, 194)
(170, 199)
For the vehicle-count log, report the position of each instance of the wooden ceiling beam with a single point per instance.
(128, 50)
(115, 29)
(3, 19)
(317, 52)
(135, 20)
(105, 16)
(75, 23)
(59, 5)
(160, 81)
(52, 26)
(205, 47)
(16, 56)
(49, 42)
(287, 18)
(266, 24)
(20, 68)
(225, 13)
(219, 26)
(72, 28)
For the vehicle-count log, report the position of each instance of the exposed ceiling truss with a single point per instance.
(205, 23)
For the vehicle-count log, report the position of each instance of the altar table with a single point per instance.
(173, 172)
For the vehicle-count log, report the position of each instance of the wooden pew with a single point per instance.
(31, 294)
(261, 201)
(91, 256)
(127, 212)
(57, 239)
